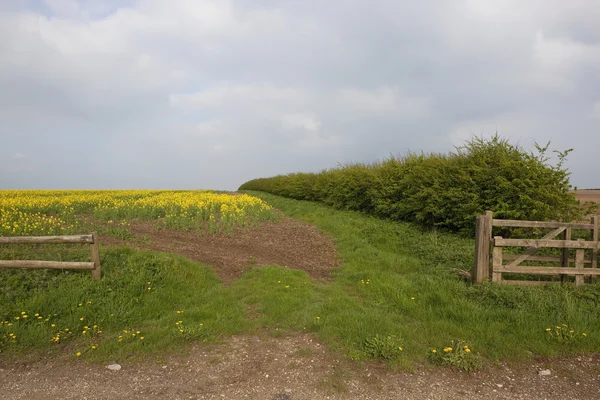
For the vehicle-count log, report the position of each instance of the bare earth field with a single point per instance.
(588, 195)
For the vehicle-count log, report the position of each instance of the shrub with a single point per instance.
(444, 190)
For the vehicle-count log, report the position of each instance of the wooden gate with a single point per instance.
(563, 265)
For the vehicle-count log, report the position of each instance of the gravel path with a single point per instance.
(291, 368)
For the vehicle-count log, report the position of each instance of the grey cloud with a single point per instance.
(212, 93)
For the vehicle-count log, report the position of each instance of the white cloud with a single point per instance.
(300, 85)
(299, 120)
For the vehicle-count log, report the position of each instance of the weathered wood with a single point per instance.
(566, 254)
(595, 232)
(45, 264)
(497, 265)
(579, 255)
(528, 283)
(92, 239)
(532, 250)
(548, 270)
(482, 250)
(539, 243)
(557, 259)
(47, 239)
(95, 257)
(540, 224)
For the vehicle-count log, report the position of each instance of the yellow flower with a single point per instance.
(468, 350)
(584, 334)
(141, 338)
(547, 329)
(412, 298)
(78, 353)
(434, 351)
(93, 347)
(81, 319)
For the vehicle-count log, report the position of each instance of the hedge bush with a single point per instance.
(444, 190)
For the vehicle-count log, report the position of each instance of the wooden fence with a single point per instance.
(580, 269)
(91, 239)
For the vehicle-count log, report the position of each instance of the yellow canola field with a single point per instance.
(33, 212)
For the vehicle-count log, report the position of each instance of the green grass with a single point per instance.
(139, 291)
(395, 288)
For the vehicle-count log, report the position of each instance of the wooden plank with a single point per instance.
(482, 251)
(557, 259)
(596, 223)
(539, 243)
(528, 283)
(566, 253)
(539, 224)
(47, 239)
(45, 264)
(548, 270)
(579, 254)
(532, 250)
(497, 265)
(95, 257)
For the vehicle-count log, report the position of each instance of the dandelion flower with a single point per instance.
(78, 353)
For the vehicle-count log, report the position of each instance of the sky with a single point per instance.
(207, 94)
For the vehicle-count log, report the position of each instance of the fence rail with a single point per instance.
(91, 239)
(492, 263)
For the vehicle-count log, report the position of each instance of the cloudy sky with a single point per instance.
(209, 94)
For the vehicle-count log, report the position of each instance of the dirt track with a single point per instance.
(291, 368)
(287, 242)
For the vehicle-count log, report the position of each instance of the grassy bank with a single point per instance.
(396, 296)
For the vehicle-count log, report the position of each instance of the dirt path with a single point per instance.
(291, 368)
(287, 242)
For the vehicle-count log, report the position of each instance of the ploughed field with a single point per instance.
(588, 195)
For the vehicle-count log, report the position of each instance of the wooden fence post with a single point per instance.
(579, 258)
(483, 237)
(596, 223)
(497, 264)
(566, 253)
(95, 257)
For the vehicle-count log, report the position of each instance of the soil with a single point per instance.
(588, 195)
(287, 242)
(293, 367)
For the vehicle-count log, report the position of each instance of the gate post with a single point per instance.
(483, 236)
